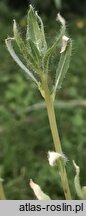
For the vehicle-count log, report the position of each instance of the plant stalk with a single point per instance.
(2, 194)
(53, 126)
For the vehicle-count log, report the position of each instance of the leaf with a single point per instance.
(43, 40)
(62, 67)
(34, 51)
(38, 192)
(77, 182)
(31, 62)
(35, 30)
(18, 61)
(52, 49)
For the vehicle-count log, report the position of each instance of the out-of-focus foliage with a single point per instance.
(49, 6)
(25, 137)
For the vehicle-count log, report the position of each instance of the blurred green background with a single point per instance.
(25, 136)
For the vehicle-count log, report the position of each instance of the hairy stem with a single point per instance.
(56, 140)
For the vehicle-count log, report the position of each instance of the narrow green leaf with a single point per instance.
(18, 61)
(52, 49)
(34, 51)
(23, 49)
(35, 30)
(43, 40)
(62, 66)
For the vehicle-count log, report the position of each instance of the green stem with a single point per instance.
(56, 140)
(2, 194)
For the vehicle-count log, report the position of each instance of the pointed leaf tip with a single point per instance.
(38, 191)
(77, 181)
(15, 30)
(61, 19)
(35, 30)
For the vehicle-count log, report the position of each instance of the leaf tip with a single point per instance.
(60, 19)
(76, 167)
